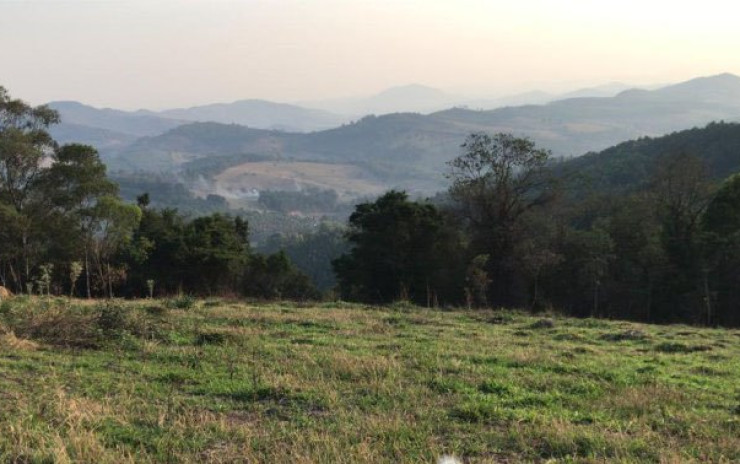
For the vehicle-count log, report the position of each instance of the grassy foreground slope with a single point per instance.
(234, 382)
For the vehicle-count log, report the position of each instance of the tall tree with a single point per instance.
(71, 187)
(113, 226)
(682, 193)
(165, 263)
(495, 182)
(275, 277)
(24, 144)
(217, 249)
(721, 232)
(639, 258)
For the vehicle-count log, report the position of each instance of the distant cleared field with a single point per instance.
(219, 381)
(347, 180)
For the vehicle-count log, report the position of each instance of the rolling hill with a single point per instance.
(260, 114)
(137, 124)
(412, 98)
(111, 129)
(418, 98)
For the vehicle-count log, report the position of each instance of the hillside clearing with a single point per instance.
(348, 180)
(221, 381)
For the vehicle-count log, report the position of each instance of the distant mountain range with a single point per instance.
(401, 149)
(87, 124)
(412, 98)
(106, 127)
(417, 98)
(138, 123)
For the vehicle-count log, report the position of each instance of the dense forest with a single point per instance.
(648, 230)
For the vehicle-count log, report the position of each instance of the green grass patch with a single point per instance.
(223, 381)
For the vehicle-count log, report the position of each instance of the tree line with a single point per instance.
(514, 229)
(510, 232)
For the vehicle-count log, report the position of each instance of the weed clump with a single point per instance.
(9, 340)
(210, 338)
(568, 336)
(156, 310)
(543, 324)
(401, 306)
(59, 323)
(212, 303)
(501, 319)
(494, 388)
(183, 302)
(632, 334)
(112, 319)
(668, 347)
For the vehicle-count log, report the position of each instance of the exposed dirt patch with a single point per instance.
(347, 180)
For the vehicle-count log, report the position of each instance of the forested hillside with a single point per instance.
(628, 166)
(513, 233)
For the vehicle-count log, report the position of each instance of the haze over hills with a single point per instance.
(406, 150)
(721, 90)
(108, 128)
(260, 114)
(416, 98)
(538, 97)
(105, 128)
(412, 98)
(126, 122)
(410, 149)
(606, 90)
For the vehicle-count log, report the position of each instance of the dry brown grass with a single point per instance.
(9, 340)
(642, 400)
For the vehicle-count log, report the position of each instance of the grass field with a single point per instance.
(218, 381)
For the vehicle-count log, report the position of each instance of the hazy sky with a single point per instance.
(166, 53)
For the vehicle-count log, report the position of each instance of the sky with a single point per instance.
(160, 54)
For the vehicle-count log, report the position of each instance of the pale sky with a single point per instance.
(165, 53)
